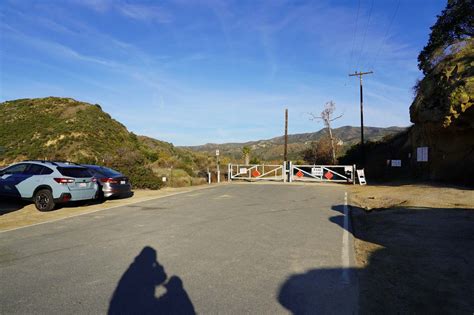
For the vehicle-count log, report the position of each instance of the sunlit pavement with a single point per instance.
(228, 249)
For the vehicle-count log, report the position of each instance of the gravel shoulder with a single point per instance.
(17, 214)
(414, 248)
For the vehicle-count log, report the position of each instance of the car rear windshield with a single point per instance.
(77, 172)
(107, 172)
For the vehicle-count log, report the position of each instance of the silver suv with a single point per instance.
(47, 183)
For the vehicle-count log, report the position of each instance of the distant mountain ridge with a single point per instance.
(272, 149)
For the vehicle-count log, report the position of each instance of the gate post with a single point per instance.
(354, 169)
(229, 172)
(291, 172)
(283, 171)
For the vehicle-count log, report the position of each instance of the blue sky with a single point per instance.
(192, 72)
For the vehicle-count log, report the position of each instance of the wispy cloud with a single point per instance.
(54, 48)
(136, 11)
(147, 13)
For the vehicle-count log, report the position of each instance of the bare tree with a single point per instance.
(327, 117)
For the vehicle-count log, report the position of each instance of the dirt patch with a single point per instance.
(16, 214)
(422, 195)
(414, 248)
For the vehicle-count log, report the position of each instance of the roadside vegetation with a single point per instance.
(64, 129)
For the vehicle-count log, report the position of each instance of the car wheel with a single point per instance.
(44, 200)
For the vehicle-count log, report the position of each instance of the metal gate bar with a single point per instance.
(247, 175)
(348, 177)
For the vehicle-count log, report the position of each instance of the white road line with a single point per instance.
(345, 243)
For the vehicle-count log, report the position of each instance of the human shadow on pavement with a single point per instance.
(135, 292)
(413, 261)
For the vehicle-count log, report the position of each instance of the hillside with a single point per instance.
(66, 129)
(272, 149)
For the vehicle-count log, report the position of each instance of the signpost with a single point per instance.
(218, 167)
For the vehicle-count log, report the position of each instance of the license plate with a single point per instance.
(82, 184)
(122, 182)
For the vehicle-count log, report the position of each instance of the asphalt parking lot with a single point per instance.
(237, 248)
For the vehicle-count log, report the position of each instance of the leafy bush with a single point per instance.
(320, 152)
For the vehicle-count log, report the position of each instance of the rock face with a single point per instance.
(446, 95)
(443, 116)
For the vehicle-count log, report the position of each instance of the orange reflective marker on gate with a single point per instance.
(300, 174)
(255, 173)
(329, 175)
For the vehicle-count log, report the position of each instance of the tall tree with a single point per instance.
(455, 23)
(327, 117)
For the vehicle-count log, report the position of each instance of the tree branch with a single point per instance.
(336, 117)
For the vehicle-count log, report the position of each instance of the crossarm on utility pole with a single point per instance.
(360, 74)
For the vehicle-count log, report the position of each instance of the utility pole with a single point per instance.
(360, 74)
(285, 155)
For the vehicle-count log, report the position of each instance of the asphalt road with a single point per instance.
(238, 248)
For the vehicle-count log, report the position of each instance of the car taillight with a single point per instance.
(94, 179)
(108, 180)
(64, 180)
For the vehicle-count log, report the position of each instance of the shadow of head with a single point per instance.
(135, 292)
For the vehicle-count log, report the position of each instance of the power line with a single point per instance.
(365, 33)
(385, 35)
(354, 35)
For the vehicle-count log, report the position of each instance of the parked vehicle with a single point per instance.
(47, 183)
(111, 183)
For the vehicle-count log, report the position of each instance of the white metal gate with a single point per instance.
(257, 172)
(322, 173)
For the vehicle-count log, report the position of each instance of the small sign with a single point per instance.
(361, 177)
(300, 174)
(255, 173)
(217, 152)
(329, 175)
(396, 163)
(242, 170)
(163, 179)
(422, 154)
(317, 171)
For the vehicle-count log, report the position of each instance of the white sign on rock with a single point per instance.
(422, 154)
(396, 163)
